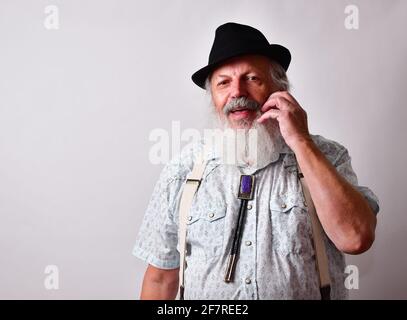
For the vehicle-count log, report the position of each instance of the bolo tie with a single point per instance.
(246, 190)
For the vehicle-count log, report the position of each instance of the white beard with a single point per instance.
(251, 147)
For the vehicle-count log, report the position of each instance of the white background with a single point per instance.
(77, 106)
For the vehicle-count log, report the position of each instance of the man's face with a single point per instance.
(246, 76)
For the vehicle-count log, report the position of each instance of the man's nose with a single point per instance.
(238, 89)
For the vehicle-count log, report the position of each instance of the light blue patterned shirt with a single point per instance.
(276, 259)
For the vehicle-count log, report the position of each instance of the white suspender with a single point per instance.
(319, 244)
(191, 186)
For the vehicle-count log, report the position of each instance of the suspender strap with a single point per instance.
(190, 187)
(319, 245)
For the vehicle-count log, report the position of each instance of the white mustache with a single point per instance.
(240, 103)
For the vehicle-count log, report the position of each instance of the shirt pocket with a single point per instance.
(205, 232)
(291, 225)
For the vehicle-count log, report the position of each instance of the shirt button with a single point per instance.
(248, 281)
(305, 203)
(248, 243)
(211, 215)
(283, 206)
(249, 207)
(189, 218)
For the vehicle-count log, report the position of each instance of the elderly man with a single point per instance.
(277, 257)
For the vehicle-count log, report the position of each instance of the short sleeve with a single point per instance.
(157, 239)
(344, 167)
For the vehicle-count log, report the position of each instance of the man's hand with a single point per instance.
(292, 119)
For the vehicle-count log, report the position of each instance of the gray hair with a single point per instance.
(278, 76)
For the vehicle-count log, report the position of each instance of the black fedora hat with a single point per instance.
(232, 40)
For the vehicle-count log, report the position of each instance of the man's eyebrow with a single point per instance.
(222, 76)
(244, 74)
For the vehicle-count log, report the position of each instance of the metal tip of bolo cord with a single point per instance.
(230, 268)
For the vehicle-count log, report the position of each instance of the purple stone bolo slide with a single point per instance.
(246, 190)
(246, 187)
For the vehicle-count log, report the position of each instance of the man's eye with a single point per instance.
(222, 83)
(252, 78)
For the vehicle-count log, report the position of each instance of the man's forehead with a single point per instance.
(242, 64)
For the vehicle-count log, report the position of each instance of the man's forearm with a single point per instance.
(158, 291)
(159, 284)
(343, 211)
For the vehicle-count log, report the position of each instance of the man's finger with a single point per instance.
(277, 102)
(291, 104)
(271, 103)
(284, 94)
(288, 96)
(271, 114)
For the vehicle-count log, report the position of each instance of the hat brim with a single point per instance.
(275, 52)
